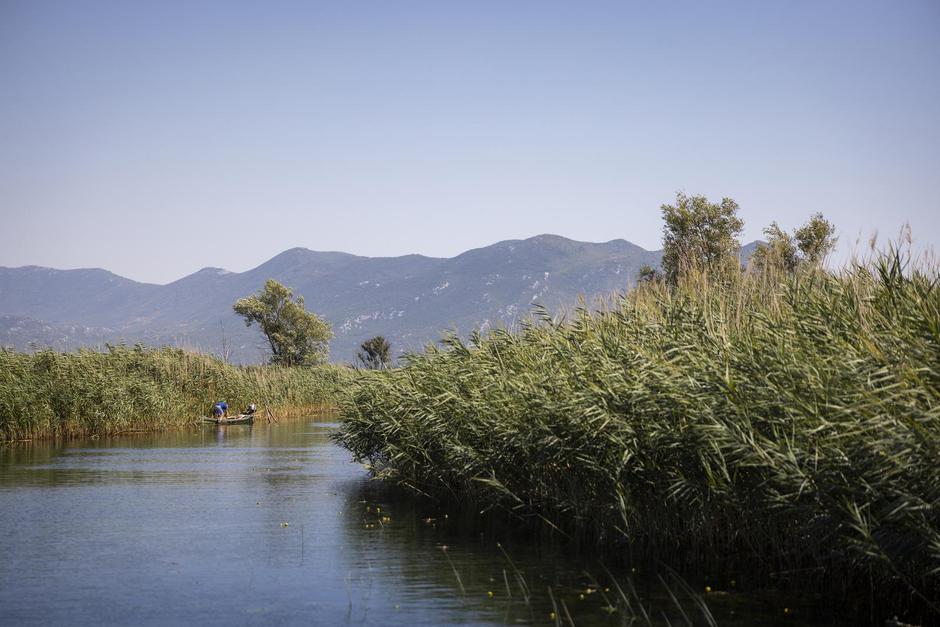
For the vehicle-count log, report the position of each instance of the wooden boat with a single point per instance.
(241, 419)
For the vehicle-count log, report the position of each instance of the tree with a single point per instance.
(374, 353)
(648, 274)
(700, 235)
(809, 244)
(297, 337)
(780, 251)
(815, 239)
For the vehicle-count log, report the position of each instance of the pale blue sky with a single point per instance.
(156, 138)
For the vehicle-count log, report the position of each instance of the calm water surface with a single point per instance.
(274, 524)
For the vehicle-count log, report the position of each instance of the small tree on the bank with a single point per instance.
(815, 239)
(648, 274)
(375, 353)
(296, 337)
(779, 251)
(700, 235)
(809, 244)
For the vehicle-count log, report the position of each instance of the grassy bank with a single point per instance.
(49, 394)
(786, 425)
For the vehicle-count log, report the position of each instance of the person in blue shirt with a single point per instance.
(220, 409)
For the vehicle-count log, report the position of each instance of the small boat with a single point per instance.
(241, 419)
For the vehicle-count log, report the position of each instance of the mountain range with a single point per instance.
(409, 299)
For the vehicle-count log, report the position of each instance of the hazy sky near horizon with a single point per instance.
(156, 138)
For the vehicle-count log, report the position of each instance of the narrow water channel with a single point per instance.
(274, 525)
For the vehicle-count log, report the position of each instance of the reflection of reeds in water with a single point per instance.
(790, 422)
(450, 545)
(132, 388)
(623, 601)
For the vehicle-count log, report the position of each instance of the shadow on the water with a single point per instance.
(529, 572)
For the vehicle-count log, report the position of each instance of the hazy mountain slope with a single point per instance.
(408, 299)
(95, 297)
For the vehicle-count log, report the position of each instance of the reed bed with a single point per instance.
(788, 425)
(49, 394)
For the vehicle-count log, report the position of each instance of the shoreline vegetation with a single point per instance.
(61, 395)
(784, 425)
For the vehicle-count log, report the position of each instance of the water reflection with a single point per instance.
(163, 528)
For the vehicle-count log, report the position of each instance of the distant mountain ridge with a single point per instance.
(409, 299)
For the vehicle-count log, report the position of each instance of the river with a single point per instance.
(275, 525)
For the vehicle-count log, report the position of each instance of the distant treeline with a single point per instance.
(50, 394)
(786, 420)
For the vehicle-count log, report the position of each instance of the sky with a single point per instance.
(157, 138)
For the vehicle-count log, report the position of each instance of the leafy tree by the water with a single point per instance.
(375, 353)
(296, 337)
(809, 244)
(699, 235)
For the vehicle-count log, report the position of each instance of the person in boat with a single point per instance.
(251, 409)
(220, 410)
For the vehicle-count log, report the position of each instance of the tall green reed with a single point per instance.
(49, 394)
(788, 421)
